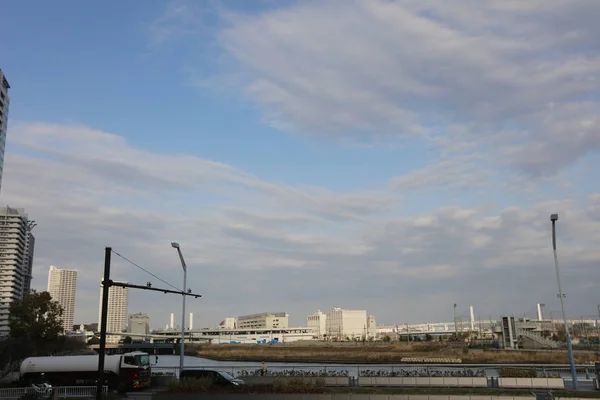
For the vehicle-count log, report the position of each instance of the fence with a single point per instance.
(62, 392)
(405, 371)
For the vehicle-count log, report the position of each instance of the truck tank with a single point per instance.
(36, 365)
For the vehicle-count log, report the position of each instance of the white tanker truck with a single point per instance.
(122, 372)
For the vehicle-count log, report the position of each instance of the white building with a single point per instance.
(4, 102)
(117, 311)
(227, 323)
(263, 321)
(62, 286)
(139, 324)
(318, 323)
(346, 324)
(16, 259)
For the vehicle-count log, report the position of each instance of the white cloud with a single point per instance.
(383, 67)
(89, 189)
(460, 172)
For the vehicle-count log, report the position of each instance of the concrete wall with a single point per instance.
(329, 396)
(531, 383)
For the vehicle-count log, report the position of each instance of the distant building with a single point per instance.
(117, 311)
(263, 321)
(371, 327)
(138, 324)
(228, 323)
(318, 323)
(4, 102)
(342, 324)
(16, 260)
(62, 286)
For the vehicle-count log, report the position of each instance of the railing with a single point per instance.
(408, 371)
(538, 338)
(62, 392)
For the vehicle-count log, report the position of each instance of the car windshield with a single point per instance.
(227, 375)
(142, 360)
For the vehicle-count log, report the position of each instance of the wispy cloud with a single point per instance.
(272, 242)
(373, 67)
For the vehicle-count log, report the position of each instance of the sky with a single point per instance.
(393, 156)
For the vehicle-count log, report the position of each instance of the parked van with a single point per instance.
(218, 378)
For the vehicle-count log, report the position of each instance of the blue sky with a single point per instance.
(398, 136)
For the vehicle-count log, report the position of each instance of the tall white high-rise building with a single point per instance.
(4, 102)
(117, 311)
(16, 260)
(62, 286)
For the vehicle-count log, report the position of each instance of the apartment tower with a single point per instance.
(116, 320)
(4, 102)
(62, 285)
(16, 260)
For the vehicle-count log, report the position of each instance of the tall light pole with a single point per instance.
(554, 218)
(182, 344)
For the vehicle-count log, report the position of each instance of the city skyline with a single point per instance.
(397, 157)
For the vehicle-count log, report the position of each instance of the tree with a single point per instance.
(36, 318)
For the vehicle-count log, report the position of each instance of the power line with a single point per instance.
(145, 270)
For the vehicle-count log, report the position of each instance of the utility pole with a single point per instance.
(106, 284)
(554, 218)
(103, 319)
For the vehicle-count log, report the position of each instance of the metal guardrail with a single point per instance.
(62, 392)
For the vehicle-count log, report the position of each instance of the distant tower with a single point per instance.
(62, 286)
(540, 311)
(191, 321)
(116, 317)
(16, 259)
(172, 325)
(4, 102)
(472, 318)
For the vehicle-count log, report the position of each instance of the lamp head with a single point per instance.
(175, 245)
(554, 217)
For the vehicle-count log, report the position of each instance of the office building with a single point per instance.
(263, 321)
(139, 324)
(318, 323)
(62, 285)
(16, 260)
(4, 102)
(116, 321)
(346, 324)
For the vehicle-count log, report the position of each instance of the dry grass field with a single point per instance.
(376, 353)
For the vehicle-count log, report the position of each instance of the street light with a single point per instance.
(554, 218)
(181, 345)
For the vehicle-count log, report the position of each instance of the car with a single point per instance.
(218, 378)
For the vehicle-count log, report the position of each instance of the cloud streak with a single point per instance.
(396, 68)
(333, 248)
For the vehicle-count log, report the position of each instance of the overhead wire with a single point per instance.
(146, 271)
